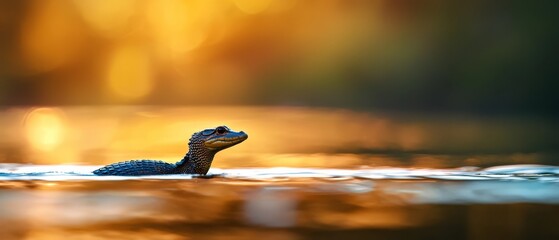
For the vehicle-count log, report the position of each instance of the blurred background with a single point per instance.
(340, 84)
(427, 76)
(429, 55)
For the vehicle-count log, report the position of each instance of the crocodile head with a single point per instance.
(220, 138)
(205, 144)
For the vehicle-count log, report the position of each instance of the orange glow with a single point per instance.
(281, 5)
(288, 137)
(129, 73)
(49, 38)
(108, 18)
(252, 7)
(411, 137)
(44, 128)
(177, 25)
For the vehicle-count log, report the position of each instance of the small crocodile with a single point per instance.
(203, 146)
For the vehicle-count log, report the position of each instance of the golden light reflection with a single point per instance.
(50, 35)
(252, 7)
(287, 137)
(129, 73)
(108, 18)
(44, 128)
(411, 137)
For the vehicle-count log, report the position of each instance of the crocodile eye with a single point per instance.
(221, 130)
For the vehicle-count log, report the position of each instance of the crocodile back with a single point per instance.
(137, 167)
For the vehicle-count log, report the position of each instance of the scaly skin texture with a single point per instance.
(203, 146)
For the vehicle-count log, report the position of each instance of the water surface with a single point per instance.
(42, 202)
(302, 174)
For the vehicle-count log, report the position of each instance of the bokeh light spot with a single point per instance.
(108, 18)
(129, 73)
(177, 25)
(44, 128)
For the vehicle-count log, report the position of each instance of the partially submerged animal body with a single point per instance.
(203, 146)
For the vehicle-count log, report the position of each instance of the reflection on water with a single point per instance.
(42, 202)
(303, 174)
(502, 184)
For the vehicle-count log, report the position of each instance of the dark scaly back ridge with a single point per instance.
(197, 161)
(136, 167)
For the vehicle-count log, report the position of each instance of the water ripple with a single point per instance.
(507, 172)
